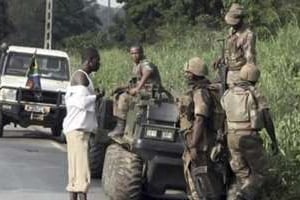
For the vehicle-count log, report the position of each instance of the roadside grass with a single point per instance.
(279, 61)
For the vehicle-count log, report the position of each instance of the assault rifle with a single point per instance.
(222, 68)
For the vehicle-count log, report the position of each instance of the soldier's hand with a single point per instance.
(274, 148)
(133, 91)
(217, 62)
(194, 154)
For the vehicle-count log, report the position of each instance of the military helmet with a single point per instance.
(234, 14)
(249, 72)
(196, 66)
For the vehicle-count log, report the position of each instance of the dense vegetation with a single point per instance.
(172, 32)
(279, 62)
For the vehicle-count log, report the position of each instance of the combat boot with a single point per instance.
(119, 129)
(82, 196)
(73, 195)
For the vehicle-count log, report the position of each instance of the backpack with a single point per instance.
(217, 116)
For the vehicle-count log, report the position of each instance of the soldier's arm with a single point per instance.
(146, 74)
(250, 48)
(269, 125)
(201, 102)
(79, 78)
(198, 128)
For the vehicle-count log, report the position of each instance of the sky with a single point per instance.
(113, 3)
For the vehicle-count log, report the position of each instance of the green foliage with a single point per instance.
(74, 17)
(28, 20)
(5, 23)
(70, 17)
(147, 16)
(278, 60)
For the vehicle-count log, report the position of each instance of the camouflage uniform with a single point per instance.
(248, 160)
(197, 101)
(123, 101)
(240, 45)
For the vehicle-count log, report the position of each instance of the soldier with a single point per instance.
(147, 75)
(196, 108)
(247, 113)
(240, 44)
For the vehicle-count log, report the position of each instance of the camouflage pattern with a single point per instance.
(145, 64)
(248, 160)
(235, 14)
(197, 101)
(121, 105)
(249, 72)
(122, 101)
(240, 49)
(196, 66)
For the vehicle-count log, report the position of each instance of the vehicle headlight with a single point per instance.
(8, 94)
(151, 133)
(63, 100)
(167, 135)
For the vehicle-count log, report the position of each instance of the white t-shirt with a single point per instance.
(80, 103)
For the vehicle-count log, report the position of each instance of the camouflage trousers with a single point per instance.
(211, 182)
(248, 163)
(121, 105)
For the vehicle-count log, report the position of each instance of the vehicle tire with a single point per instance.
(122, 174)
(1, 125)
(56, 130)
(96, 157)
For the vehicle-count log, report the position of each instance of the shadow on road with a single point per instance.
(32, 134)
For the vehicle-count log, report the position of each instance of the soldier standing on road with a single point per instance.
(196, 108)
(240, 44)
(79, 122)
(247, 113)
(147, 76)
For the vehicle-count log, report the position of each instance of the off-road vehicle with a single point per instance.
(26, 106)
(147, 159)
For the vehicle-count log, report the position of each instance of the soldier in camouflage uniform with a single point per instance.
(247, 113)
(147, 76)
(195, 114)
(239, 46)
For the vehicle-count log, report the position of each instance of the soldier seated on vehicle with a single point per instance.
(146, 74)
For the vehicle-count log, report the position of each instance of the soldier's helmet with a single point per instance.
(249, 72)
(234, 14)
(196, 66)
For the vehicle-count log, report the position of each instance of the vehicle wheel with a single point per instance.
(96, 157)
(1, 124)
(122, 174)
(56, 130)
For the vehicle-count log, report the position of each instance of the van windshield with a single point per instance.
(50, 67)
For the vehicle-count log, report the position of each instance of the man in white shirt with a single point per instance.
(79, 122)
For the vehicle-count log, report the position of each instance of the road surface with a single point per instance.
(34, 167)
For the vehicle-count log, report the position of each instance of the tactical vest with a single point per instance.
(234, 53)
(242, 110)
(217, 115)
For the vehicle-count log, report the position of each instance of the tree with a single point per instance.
(74, 17)
(70, 17)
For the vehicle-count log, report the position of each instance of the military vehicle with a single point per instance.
(147, 159)
(24, 106)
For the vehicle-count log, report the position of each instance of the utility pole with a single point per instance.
(109, 12)
(48, 24)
